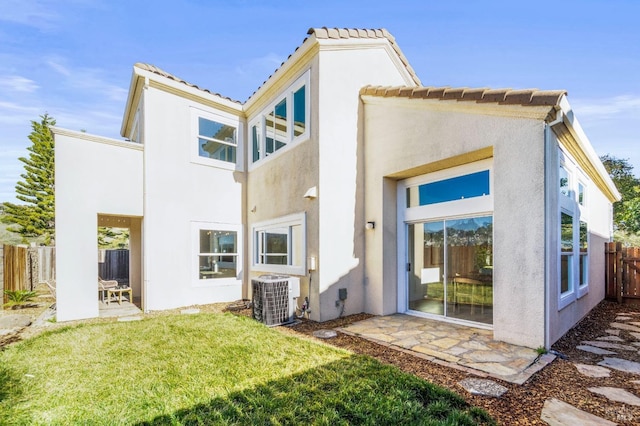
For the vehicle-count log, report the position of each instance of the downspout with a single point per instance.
(548, 251)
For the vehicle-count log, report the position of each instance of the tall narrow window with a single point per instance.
(584, 254)
(564, 182)
(299, 112)
(255, 140)
(566, 253)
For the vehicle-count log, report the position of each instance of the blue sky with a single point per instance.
(73, 58)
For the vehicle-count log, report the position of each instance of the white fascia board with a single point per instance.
(574, 127)
(95, 138)
(182, 87)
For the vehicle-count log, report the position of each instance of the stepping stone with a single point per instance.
(609, 345)
(616, 332)
(190, 311)
(558, 413)
(483, 387)
(611, 339)
(636, 335)
(617, 395)
(621, 365)
(592, 370)
(10, 322)
(627, 327)
(623, 318)
(596, 351)
(635, 323)
(128, 319)
(324, 334)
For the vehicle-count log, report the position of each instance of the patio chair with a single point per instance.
(104, 285)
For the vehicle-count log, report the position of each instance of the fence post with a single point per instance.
(619, 267)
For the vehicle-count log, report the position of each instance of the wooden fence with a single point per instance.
(622, 276)
(23, 268)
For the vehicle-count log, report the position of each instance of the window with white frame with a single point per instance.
(574, 232)
(216, 251)
(215, 139)
(283, 122)
(279, 245)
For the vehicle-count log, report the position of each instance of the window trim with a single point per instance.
(455, 208)
(297, 219)
(569, 204)
(196, 227)
(259, 121)
(194, 137)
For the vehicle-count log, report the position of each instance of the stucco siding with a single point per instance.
(179, 192)
(597, 214)
(92, 177)
(403, 137)
(342, 220)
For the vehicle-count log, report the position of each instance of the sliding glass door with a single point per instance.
(450, 268)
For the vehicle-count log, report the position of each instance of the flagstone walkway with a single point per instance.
(457, 346)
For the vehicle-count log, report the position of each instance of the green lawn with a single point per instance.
(209, 369)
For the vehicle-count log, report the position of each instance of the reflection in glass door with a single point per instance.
(465, 291)
(426, 254)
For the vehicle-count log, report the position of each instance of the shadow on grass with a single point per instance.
(355, 390)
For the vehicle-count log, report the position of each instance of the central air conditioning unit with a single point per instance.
(274, 299)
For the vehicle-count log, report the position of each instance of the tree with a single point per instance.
(626, 212)
(36, 217)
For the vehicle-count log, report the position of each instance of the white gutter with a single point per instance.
(548, 252)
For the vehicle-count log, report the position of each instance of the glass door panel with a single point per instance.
(426, 292)
(469, 287)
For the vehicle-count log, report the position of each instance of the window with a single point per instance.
(581, 194)
(215, 252)
(564, 182)
(455, 188)
(584, 254)
(566, 253)
(574, 232)
(218, 254)
(280, 245)
(216, 140)
(283, 122)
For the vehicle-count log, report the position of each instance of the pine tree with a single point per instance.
(36, 217)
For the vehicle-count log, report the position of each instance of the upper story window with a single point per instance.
(564, 182)
(215, 139)
(283, 122)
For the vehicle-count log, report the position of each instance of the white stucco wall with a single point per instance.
(178, 193)
(402, 135)
(343, 72)
(598, 218)
(93, 176)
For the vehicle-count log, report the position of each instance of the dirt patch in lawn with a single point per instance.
(521, 404)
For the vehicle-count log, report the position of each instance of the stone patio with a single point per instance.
(462, 347)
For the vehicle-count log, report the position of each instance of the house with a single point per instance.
(484, 207)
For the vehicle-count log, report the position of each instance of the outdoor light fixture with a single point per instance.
(311, 193)
(370, 225)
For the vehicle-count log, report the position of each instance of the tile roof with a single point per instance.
(526, 97)
(346, 33)
(320, 34)
(161, 72)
